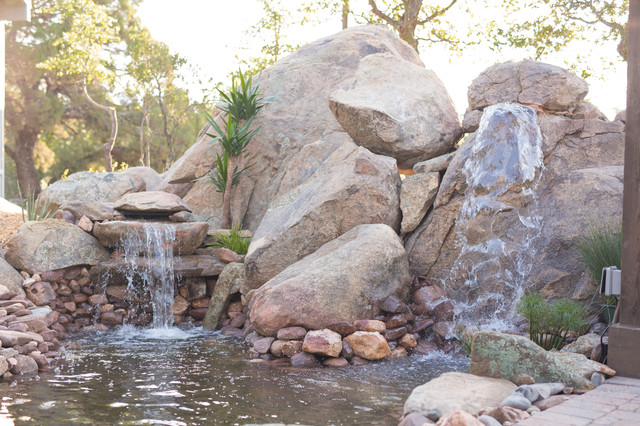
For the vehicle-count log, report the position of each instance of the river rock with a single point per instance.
(90, 187)
(459, 418)
(151, 203)
(10, 338)
(302, 83)
(397, 108)
(188, 235)
(291, 347)
(292, 333)
(527, 82)
(344, 280)
(323, 342)
(10, 278)
(370, 325)
(516, 401)
(262, 345)
(458, 391)
(502, 355)
(229, 282)
(510, 219)
(52, 244)
(24, 365)
(41, 293)
(352, 187)
(416, 197)
(368, 345)
(583, 345)
(95, 211)
(344, 328)
(304, 360)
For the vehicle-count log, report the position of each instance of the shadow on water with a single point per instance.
(191, 376)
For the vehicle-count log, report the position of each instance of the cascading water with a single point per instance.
(497, 222)
(155, 274)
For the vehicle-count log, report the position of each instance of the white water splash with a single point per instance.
(502, 171)
(156, 274)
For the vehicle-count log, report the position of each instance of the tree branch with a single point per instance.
(381, 15)
(437, 13)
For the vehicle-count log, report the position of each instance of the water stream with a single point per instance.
(135, 376)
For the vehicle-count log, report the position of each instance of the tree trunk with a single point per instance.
(236, 207)
(108, 146)
(226, 201)
(345, 14)
(22, 156)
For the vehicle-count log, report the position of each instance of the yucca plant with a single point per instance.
(218, 175)
(30, 210)
(244, 100)
(549, 324)
(234, 240)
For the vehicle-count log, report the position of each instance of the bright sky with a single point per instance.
(210, 33)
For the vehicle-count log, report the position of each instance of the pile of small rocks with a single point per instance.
(28, 343)
(422, 326)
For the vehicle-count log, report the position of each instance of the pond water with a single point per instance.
(193, 376)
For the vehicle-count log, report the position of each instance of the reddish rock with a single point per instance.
(230, 256)
(552, 401)
(276, 348)
(23, 328)
(70, 306)
(335, 362)
(428, 295)
(238, 320)
(422, 325)
(41, 293)
(425, 347)
(356, 361)
(460, 418)
(180, 305)
(370, 325)
(98, 299)
(292, 333)
(49, 335)
(508, 414)
(393, 305)
(106, 308)
(304, 360)
(85, 224)
(368, 345)
(395, 333)
(445, 329)
(200, 303)
(24, 365)
(408, 341)
(398, 352)
(343, 328)
(396, 321)
(52, 276)
(230, 331)
(291, 347)
(79, 298)
(444, 311)
(199, 313)
(323, 342)
(111, 318)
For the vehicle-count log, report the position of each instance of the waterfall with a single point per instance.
(155, 274)
(498, 220)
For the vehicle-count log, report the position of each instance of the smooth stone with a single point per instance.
(151, 202)
(292, 333)
(516, 401)
(522, 379)
(323, 342)
(529, 392)
(551, 401)
(263, 345)
(336, 362)
(597, 378)
(25, 365)
(304, 360)
(368, 345)
(370, 325)
(342, 327)
(415, 419)
(487, 420)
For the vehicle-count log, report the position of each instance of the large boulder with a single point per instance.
(397, 108)
(352, 187)
(89, 187)
(300, 84)
(151, 203)
(52, 244)
(344, 280)
(458, 391)
(10, 278)
(527, 82)
(229, 282)
(505, 356)
(513, 204)
(185, 237)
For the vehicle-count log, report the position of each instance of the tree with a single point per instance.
(88, 30)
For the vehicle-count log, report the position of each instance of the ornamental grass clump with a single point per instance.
(601, 247)
(30, 210)
(233, 240)
(550, 323)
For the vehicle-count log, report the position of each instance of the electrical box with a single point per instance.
(610, 283)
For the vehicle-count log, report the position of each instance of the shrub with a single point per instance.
(234, 240)
(601, 246)
(549, 323)
(30, 210)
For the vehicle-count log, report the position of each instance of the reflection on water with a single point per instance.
(186, 377)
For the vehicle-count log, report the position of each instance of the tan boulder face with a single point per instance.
(416, 197)
(152, 179)
(10, 278)
(90, 187)
(527, 82)
(151, 202)
(352, 187)
(344, 280)
(323, 342)
(300, 84)
(369, 345)
(188, 235)
(52, 244)
(458, 391)
(397, 108)
(508, 225)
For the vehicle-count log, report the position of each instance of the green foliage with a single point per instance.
(244, 100)
(31, 211)
(218, 175)
(549, 324)
(233, 240)
(465, 338)
(601, 247)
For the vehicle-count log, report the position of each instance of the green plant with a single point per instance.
(30, 210)
(601, 246)
(244, 100)
(233, 240)
(465, 338)
(549, 323)
(218, 175)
